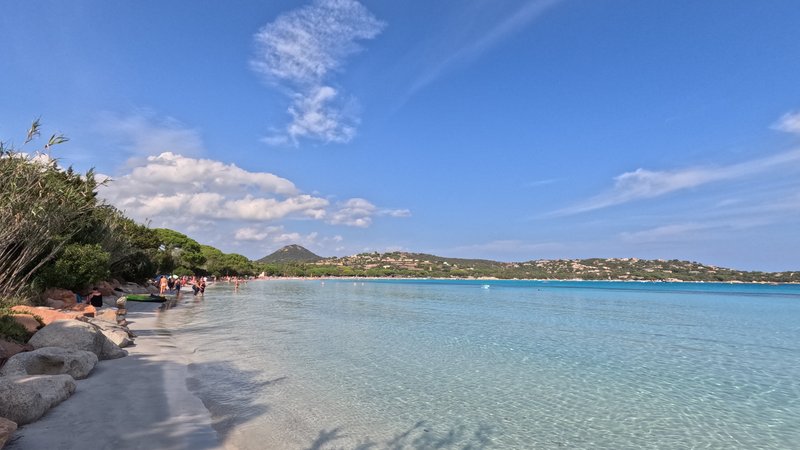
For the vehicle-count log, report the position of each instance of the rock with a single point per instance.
(68, 297)
(78, 335)
(133, 288)
(7, 428)
(152, 290)
(114, 332)
(85, 309)
(9, 349)
(27, 321)
(122, 302)
(48, 315)
(55, 304)
(25, 399)
(51, 361)
(108, 315)
(105, 288)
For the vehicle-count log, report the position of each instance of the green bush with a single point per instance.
(10, 329)
(76, 268)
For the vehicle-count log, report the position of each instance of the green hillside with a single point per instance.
(290, 254)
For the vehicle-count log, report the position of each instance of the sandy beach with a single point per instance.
(137, 402)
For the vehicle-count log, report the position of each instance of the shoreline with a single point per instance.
(139, 401)
(557, 280)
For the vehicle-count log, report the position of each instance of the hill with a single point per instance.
(403, 264)
(290, 253)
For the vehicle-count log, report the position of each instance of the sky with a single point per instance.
(498, 129)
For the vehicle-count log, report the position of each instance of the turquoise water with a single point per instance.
(515, 364)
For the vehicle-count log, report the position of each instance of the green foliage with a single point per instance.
(401, 264)
(43, 208)
(11, 330)
(180, 252)
(76, 268)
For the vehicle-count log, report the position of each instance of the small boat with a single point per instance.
(146, 298)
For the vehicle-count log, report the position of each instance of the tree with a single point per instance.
(183, 251)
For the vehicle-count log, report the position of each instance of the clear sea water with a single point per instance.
(452, 364)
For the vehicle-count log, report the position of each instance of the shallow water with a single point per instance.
(451, 364)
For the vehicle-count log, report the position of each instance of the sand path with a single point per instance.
(137, 402)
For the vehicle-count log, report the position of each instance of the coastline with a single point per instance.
(139, 401)
(353, 278)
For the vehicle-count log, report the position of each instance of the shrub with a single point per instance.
(10, 329)
(77, 267)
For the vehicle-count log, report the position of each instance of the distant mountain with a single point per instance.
(290, 253)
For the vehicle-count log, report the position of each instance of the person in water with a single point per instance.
(95, 298)
(162, 285)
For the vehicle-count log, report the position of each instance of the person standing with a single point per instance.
(162, 285)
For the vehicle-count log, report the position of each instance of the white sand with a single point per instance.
(137, 402)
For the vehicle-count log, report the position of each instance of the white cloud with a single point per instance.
(277, 235)
(144, 134)
(395, 212)
(356, 212)
(300, 50)
(211, 197)
(642, 183)
(789, 122)
(315, 115)
(251, 234)
(170, 185)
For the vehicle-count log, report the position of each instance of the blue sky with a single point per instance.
(510, 130)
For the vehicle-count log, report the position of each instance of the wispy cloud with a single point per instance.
(358, 212)
(537, 183)
(299, 51)
(145, 134)
(276, 235)
(665, 233)
(643, 184)
(789, 122)
(517, 20)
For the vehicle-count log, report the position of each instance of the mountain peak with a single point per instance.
(290, 253)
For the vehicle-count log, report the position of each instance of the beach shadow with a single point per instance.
(124, 403)
(420, 436)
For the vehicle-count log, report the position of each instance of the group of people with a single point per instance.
(174, 284)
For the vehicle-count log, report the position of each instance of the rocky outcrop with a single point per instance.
(51, 361)
(25, 399)
(105, 288)
(115, 333)
(49, 315)
(63, 295)
(77, 335)
(7, 428)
